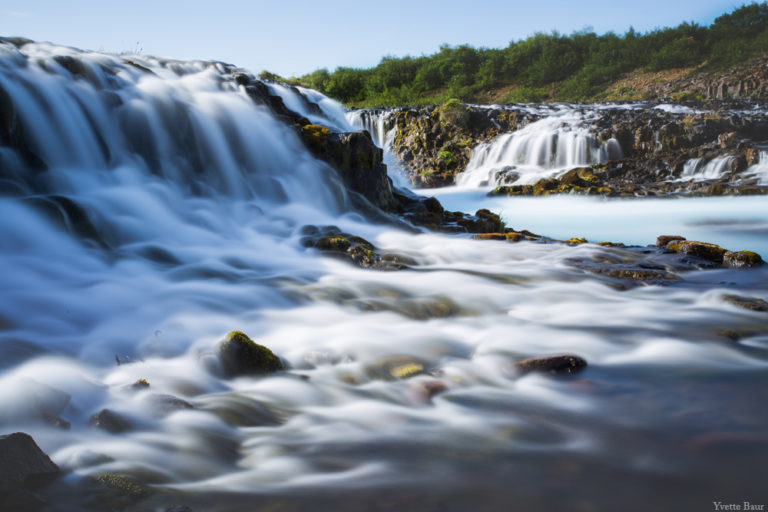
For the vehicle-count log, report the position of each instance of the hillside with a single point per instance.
(724, 60)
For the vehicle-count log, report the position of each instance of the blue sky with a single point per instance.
(293, 37)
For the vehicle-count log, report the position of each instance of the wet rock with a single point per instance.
(162, 405)
(110, 421)
(638, 274)
(23, 464)
(663, 240)
(240, 355)
(484, 221)
(140, 384)
(576, 241)
(703, 250)
(742, 259)
(356, 158)
(557, 364)
(751, 303)
(396, 367)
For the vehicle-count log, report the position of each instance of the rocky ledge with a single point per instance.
(434, 144)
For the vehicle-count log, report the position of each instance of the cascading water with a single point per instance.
(760, 169)
(149, 207)
(375, 123)
(697, 169)
(543, 149)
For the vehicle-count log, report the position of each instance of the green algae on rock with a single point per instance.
(240, 355)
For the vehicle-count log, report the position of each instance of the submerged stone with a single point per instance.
(110, 421)
(558, 364)
(752, 303)
(240, 355)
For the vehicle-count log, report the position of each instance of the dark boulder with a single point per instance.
(110, 421)
(240, 355)
(558, 364)
(23, 464)
(751, 303)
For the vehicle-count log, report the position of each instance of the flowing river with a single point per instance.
(155, 208)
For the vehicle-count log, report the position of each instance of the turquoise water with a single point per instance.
(735, 223)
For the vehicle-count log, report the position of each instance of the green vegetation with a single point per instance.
(546, 67)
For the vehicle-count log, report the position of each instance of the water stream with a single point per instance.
(163, 209)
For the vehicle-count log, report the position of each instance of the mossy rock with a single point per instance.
(557, 364)
(240, 355)
(123, 484)
(454, 112)
(576, 241)
(742, 259)
(544, 186)
(703, 250)
(315, 136)
(663, 240)
(333, 243)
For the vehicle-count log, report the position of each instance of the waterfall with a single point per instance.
(760, 169)
(542, 149)
(150, 206)
(696, 169)
(374, 122)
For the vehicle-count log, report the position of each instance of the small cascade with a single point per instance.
(697, 169)
(374, 122)
(319, 109)
(760, 169)
(545, 148)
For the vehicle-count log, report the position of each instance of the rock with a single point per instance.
(558, 364)
(396, 367)
(484, 221)
(162, 405)
(751, 303)
(663, 240)
(703, 250)
(23, 464)
(638, 274)
(110, 421)
(742, 259)
(240, 355)
(576, 241)
(356, 158)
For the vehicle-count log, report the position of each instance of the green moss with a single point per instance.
(316, 137)
(121, 483)
(576, 241)
(333, 243)
(742, 259)
(240, 355)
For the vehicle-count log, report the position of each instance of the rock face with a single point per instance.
(22, 463)
(435, 143)
(240, 355)
(657, 143)
(356, 158)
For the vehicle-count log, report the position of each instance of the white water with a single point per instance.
(759, 170)
(697, 169)
(542, 149)
(196, 198)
